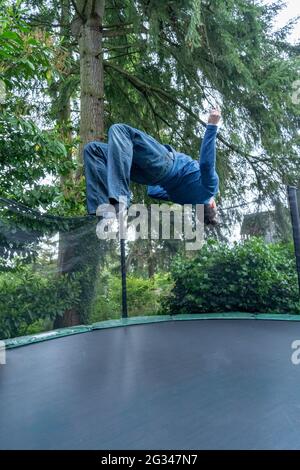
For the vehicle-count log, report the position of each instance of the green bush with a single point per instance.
(30, 299)
(144, 296)
(38, 326)
(251, 277)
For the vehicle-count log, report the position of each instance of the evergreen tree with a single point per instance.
(158, 65)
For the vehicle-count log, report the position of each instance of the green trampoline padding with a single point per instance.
(139, 320)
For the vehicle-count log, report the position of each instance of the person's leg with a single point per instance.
(120, 154)
(95, 164)
(152, 161)
(133, 154)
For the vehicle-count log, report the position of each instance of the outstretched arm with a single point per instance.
(207, 159)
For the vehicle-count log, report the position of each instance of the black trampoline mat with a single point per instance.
(209, 384)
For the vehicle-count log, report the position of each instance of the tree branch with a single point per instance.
(142, 86)
(84, 7)
(153, 111)
(118, 25)
(93, 6)
(120, 46)
(125, 54)
(121, 89)
(116, 33)
(77, 11)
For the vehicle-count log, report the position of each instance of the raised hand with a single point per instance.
(214, 116)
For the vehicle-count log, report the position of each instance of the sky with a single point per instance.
(291, 10)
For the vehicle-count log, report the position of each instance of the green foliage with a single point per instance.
(197, 53)
(193, 35)
(164, 63)
(252, 276)
(71, 200)
(144, 296)
(38, 326)
(28, 298)
(29, 160)
(24, 53)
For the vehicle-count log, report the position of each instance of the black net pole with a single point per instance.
(295, 217)
(123, 273)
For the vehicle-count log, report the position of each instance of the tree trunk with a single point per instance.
(87, 26)
(70, 316)
(89, 31)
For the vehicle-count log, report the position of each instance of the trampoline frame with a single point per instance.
(140, 320)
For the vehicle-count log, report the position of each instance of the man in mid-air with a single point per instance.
(133, 155)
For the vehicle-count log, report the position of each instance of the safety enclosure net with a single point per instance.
(55, 271)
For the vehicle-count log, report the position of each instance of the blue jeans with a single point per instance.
(129, 155)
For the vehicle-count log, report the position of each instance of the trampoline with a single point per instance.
(194, 384)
